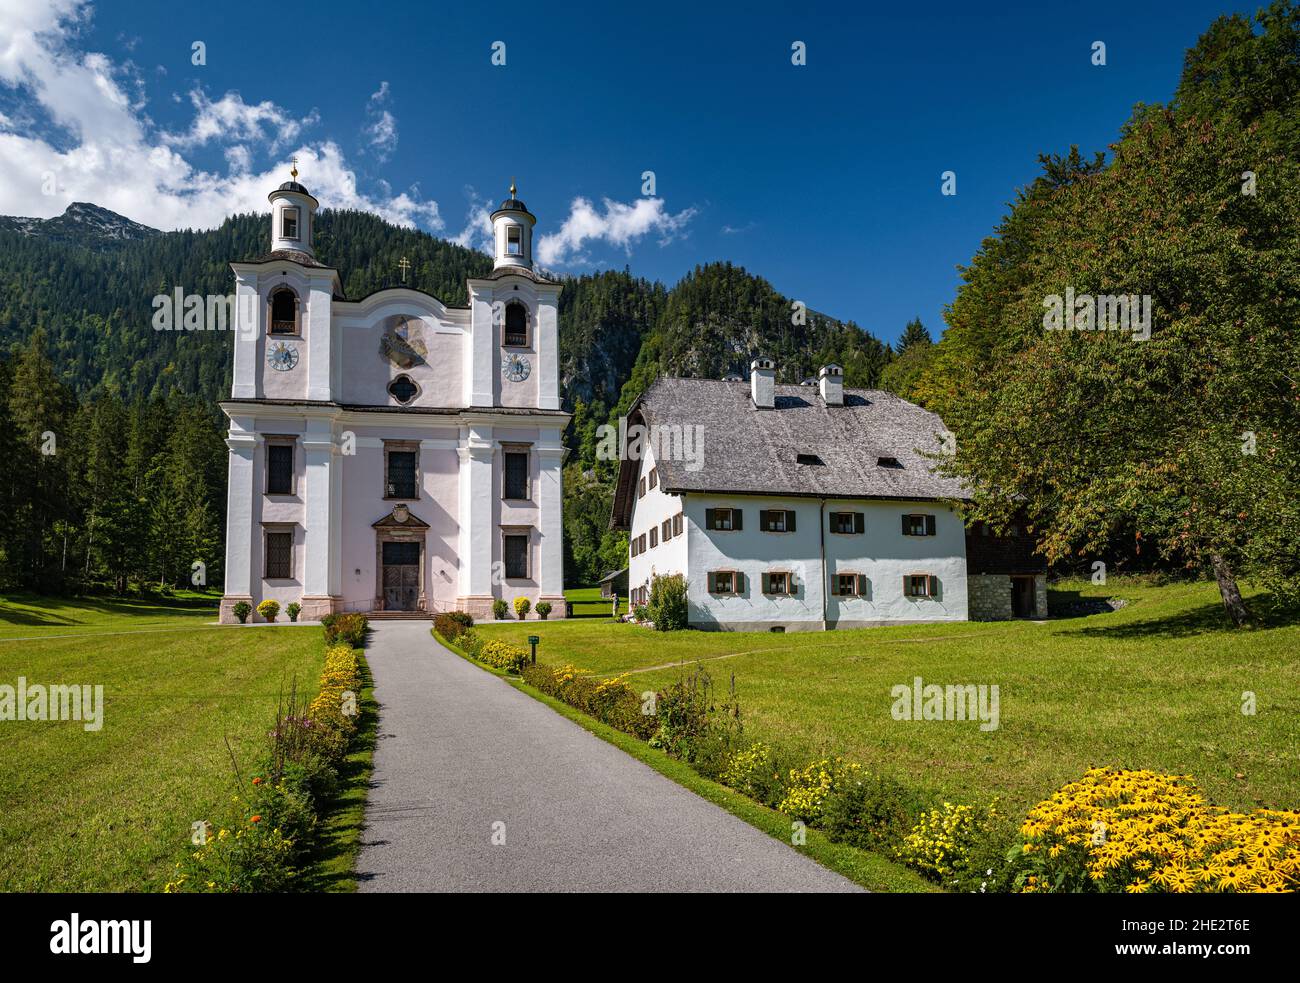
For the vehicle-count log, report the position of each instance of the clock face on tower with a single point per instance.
(515, 367)
(282, 357)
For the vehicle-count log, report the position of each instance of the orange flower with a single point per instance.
(257, 781)
(255, 819)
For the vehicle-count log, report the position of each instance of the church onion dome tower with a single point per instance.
(512, 229)
(293, 217)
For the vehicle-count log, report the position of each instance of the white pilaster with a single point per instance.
(476, 513)
(321, 556)
(240, 498)
(318, 336)
(248, 329)
(550, 488)
(548, 353)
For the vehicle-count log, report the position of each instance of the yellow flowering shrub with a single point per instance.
(1143, 831)
(499, 655)
(809, 787)
(944, 841)
(749, 769)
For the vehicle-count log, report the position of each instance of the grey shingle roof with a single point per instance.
(751, 450)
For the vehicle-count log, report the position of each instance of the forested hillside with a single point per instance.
(75, 309)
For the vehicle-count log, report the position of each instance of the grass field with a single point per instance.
(108, 810)
(1158, 684)
(587, 602)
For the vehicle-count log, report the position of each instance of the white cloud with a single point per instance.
(381, 131)
(620, 225)
(107, 150)
(477, 233)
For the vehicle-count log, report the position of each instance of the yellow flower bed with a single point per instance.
(809, 787)
(1143, 831)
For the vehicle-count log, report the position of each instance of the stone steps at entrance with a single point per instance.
(399, 615)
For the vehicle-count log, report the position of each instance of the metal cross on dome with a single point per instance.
(405, 265)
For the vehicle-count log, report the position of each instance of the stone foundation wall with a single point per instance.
(989, 597)
(1040, 596)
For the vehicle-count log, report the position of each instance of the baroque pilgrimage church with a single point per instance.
(388, 452)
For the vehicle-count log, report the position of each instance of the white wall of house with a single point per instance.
(881, 553)
(647, 513)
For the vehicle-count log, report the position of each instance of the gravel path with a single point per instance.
(464, 758)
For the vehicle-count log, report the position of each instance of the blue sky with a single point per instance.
(824, 178)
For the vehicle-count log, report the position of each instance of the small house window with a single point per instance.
(515, 551)
(403, 389)
(918, 585)
(516, 475)
(848, 523)
(918, 525)
(279, 555)
(846, 584)
(666, 530)
(776, 583)
(723, 519)
(654, 536)
(812, 459)
(516, 326)
(677, 524)
(400, 481)
(888, 462)
(641, 543)
(654, 477)
(726, 582)
(288, 223)
(284, 312)
(514, 240)
(279, 469)
(776, 520)
(640, 488)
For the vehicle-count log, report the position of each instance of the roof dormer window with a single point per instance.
(888, 462)
(810, 459)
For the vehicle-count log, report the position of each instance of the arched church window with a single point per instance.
(514, 240)
(284, 311)
(403, 389)
(516, 328)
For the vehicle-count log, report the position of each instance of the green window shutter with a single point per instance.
(934, 586)
(905, 591)
(862, 585)
(907, 526)
(737, 519)
(767, 584)
(764, 520)
(740, 583)
(713, 583)
(929, 525)
(789, 520)
(791, 582)
(859, 522)
(709, 521)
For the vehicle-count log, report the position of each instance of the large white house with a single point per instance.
(808, 507)
(390, 452)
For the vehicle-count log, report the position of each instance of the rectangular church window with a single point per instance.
(279, 469)
(515, 550)
(401, 474)
(279, 555)
(516, 475)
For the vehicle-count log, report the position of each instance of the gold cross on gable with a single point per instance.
(405, 264)
(294, 171)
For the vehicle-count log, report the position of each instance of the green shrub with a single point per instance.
(293, 610)
(500, 609)
(470, 642)
(543, 609)
(692, 727)
(667, 607)
(268, 609)
(242, 610)
(871, 812)
(611, 701)
(641, 613)
(452, 624)
(349, 629)
(522, 604)
(808, 788)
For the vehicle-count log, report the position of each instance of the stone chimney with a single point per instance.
(831, 381)
(762, 382)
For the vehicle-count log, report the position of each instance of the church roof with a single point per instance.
(293, 256)
(294, 186)
(523, 271)
(752, 451)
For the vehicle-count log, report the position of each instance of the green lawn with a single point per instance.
(1157, 685)
(107, 810)
(587, 602)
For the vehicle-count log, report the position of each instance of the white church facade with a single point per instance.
(393, 453)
